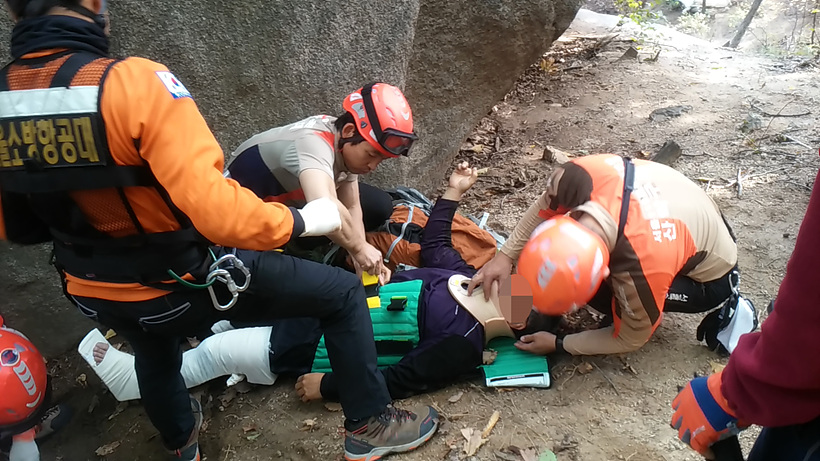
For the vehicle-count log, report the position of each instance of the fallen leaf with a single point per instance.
(478, 148)
(205, 424)
(717, 367)
(555, 155)
(473, 440)
(110, 334)
(309, 425)
(249, 426)
(333, 406)
(456, 397)
(482, 171)
(253, 436)
(584, 368)
(227, 397)
(106, 450)
(488, 357)
(82, 380)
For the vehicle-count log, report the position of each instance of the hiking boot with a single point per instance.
(190, 452)
(392, 431)
(56, 418)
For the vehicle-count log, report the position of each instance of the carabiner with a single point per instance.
(223, 276)
(236, 263)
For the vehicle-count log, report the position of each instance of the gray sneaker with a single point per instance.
(190, 452)
(392, 431)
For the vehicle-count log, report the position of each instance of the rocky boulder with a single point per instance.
(256, 64)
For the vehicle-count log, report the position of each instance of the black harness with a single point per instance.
(68, 153)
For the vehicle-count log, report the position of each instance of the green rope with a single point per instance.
(187, 284)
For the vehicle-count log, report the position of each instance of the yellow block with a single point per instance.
(373, 302)
(368, 279)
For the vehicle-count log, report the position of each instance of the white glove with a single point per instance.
(321, 217)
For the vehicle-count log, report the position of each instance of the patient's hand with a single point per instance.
(461, 180)
(308, 386)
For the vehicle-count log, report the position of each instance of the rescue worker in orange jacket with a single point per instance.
(669, 248)
(111, 160)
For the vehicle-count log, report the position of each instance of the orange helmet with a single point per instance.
(383, 118)
(564, 263)
(23, 381)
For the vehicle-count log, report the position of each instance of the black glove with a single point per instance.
(708, 330)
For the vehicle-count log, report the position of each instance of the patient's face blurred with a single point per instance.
(515, 301)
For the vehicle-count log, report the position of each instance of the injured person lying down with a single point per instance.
(428, 331)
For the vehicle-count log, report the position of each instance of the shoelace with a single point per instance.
(392, 413)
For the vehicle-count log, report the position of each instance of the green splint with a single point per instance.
(515, 368)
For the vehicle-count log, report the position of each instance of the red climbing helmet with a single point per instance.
(383, 118)
(23, 379)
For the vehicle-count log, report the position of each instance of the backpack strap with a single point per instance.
(401, 234)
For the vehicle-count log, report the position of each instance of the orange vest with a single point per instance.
(156, 167)
(650, 253)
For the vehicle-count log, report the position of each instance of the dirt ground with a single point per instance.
(584, 101)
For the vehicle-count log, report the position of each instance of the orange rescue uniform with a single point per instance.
(672, 228)
(147, 124)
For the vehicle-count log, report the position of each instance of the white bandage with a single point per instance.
(321, 217)
(244, 351)
(116, 370)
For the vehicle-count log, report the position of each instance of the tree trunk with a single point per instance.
(744, 25)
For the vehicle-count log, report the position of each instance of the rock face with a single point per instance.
(256, 64)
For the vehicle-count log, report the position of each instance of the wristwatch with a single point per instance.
(559, 345)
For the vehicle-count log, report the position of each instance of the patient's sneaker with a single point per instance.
(392, 431)
(56, 418)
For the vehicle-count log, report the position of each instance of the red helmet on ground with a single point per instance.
(23, 378)
(383, 118)
(565, 263)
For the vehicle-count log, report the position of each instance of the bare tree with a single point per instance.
(744, 25)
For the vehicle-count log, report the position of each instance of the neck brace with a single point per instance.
(486, 312)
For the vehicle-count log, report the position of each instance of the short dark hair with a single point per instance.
(340, 123)
(34, 8)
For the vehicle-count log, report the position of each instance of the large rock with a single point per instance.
(466, 56)
(256, 64)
